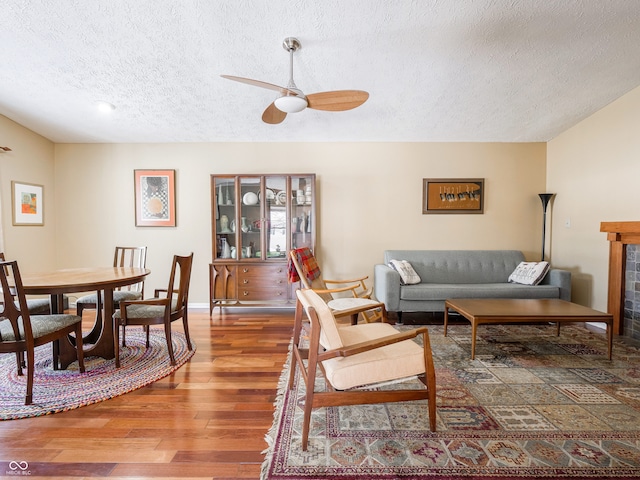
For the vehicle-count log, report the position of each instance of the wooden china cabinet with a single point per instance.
(256, 220)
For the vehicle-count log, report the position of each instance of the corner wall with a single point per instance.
(30, 161)
(595, 169)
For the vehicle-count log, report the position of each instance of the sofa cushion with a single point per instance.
(460, 266)
(529, 273)
(408, 275)
(444, 291)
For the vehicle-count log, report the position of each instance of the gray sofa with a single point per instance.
(448, 274)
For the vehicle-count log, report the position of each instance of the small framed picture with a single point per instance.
(155, 194)
(27, 202)
(453, 195)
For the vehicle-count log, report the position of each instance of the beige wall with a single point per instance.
(595, 169)
(369, 194)
(30, 161)
(369, 197)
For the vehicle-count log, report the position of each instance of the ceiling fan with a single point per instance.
(292, 100)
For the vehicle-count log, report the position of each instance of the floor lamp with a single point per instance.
(545, 198)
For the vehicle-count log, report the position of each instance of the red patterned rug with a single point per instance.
(61, 390)
(531, 405)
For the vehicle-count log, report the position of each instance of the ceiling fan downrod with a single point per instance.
(291, 45)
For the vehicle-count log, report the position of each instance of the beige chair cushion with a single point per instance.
(329, 336)
(392, 362)
(347, 303)
(399, 360)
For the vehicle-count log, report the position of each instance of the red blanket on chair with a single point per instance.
(308, 263)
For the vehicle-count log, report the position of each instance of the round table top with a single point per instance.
(81, 279)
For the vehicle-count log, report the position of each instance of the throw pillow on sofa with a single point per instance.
(529, 273)
(408, 275)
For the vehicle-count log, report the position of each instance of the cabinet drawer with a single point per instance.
(261, 293)
(262, 282)
(271, 271)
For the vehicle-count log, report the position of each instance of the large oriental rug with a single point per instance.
(532, 405)
(61, 390)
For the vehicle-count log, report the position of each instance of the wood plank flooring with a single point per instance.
(207, 420)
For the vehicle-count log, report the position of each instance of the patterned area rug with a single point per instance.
(61, 390)
(531, 405)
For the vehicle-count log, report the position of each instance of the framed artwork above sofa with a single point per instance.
(452, 195)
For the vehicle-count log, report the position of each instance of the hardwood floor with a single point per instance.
(207, 420)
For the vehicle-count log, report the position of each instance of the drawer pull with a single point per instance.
(245, 270)
(245, 293)
(279, 281)
(245, 281)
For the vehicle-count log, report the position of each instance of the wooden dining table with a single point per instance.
(56, 283)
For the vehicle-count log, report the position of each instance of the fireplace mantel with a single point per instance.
(619, 234)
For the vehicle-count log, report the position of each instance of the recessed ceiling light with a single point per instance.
(105, 107)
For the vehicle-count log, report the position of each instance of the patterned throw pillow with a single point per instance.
(529, 273)
(408, 275)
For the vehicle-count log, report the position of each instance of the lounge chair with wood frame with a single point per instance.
(355, 356)
(356, 299)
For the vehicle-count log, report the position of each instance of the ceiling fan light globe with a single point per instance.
(291, 103)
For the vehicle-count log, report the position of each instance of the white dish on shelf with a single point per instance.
(281, 197)
(250, 198)
(270, 195)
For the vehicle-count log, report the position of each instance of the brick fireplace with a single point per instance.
(623, 300)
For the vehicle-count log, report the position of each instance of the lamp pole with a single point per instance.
(545, 198)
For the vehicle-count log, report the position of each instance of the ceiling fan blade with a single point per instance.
(338, 100)
(272, 115)
(258, 83)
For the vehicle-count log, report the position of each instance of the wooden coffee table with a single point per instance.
(496, 311)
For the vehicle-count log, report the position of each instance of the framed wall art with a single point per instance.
(155, 194)
(452, 195)
(27, 202)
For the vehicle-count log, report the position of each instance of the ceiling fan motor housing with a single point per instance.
(291, 103)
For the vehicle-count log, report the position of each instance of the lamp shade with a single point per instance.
(545, 198)
(291, 103)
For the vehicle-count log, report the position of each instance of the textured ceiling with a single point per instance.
(436, 70)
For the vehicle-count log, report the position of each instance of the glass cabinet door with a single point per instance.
(262, 217)
(224, 205)
(276, 245)
(249, 225)
(302, 202)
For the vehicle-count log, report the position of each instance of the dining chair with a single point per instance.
(36, 306)
(20, 332)
(356, 299)
(356, 360)
(160, 310)
(122, 257)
